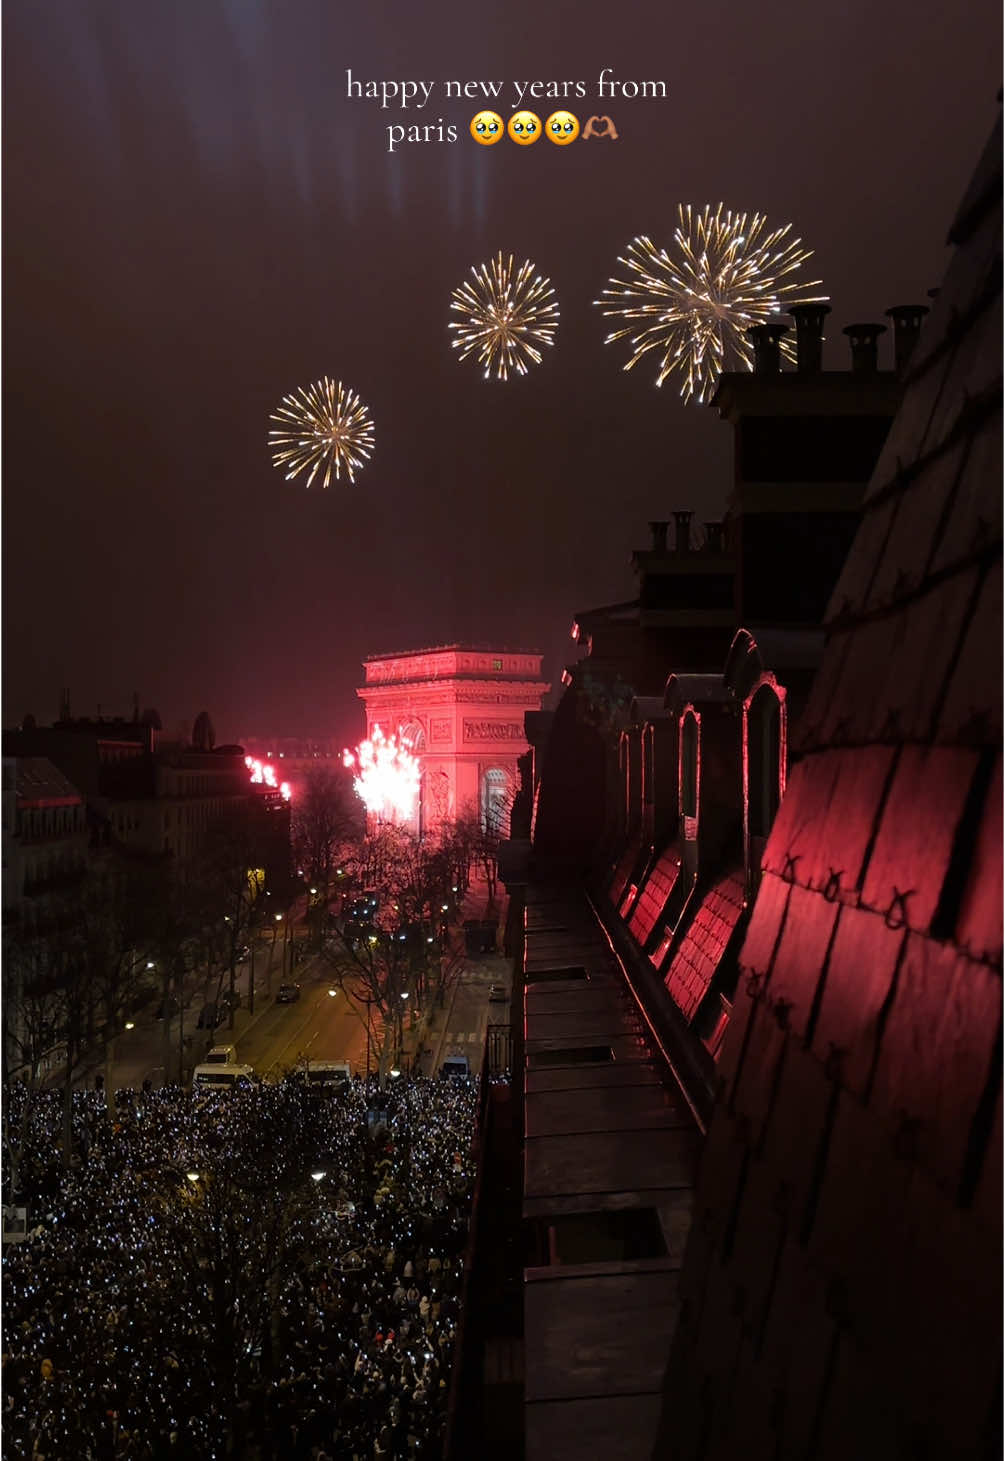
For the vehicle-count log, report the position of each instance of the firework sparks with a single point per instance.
(325, 425)
(262, 774)
(693, 305)
(503, 319)
(387, 780)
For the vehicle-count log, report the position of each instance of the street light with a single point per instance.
(192, 1176)
(317, 1176)
(130, 1025)
(332, 993)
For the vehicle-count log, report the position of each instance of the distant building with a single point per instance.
(146, 793)
(461, 708)
(45, 842)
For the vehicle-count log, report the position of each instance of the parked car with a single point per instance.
(230, 1000)
(497, 994)
(209, 1017)
(244, 953)
(167, 1008)
(288, 994)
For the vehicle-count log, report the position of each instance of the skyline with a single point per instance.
(199, 221)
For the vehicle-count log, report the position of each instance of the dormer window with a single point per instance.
(764, 769)
(690, 772)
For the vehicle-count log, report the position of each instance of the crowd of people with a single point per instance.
(268, 1273)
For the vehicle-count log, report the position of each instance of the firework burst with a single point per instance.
(387, 776)
(504, 318)
(325, 425)
(693, 305)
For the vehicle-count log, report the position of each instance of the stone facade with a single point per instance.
(461, 708)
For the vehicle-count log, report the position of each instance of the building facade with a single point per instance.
(461, 709)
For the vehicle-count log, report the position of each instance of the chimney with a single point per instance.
(864, 347)
(766, 340)
(659, 532)
(907, 320)
(809, 320)
(682, 531)
(714, 537)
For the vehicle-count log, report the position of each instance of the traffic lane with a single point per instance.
(471, 1010)
(318, 1026)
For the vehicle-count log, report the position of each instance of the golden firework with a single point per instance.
(503, 319)
(326, 425)
(693, 305)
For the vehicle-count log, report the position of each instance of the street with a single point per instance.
(320, 1025)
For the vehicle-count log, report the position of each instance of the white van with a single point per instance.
(221, 1078)
(324, 1074)
(221, 1055)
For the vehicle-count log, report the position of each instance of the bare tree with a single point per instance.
(327, 823)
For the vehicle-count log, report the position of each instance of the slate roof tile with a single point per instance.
(914, 842)
(979, 928)
(801, 956)
(965, 280)
(913, 682)
(849, 713)
(755, 1082)
(854, 585)
(917, 526)
(797, 1124)
(976, 366)
(988, 1197)
(765, 925)
(969, 713)
(909, 427)
(976, 511)
(828, 815)
(932, 1065)
(863, 1194)
(857, 982)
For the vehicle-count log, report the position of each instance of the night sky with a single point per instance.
(197, 220)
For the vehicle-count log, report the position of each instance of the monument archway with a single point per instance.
(461, 708)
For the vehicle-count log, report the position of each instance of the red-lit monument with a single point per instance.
(461, 709)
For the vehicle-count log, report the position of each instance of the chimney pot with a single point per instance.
(809, 320)
(682, 530)
(659, 532)
(864, 347)
(714, 537)
(907, 320)
(766, 340)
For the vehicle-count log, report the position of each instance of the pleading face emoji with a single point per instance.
(487, 128)
(524, 128)
(561, 128)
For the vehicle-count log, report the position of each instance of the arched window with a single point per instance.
(495, 801)
(648, 766)
(690, 771)
(763, 768)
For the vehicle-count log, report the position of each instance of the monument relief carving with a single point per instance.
(493, 730)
